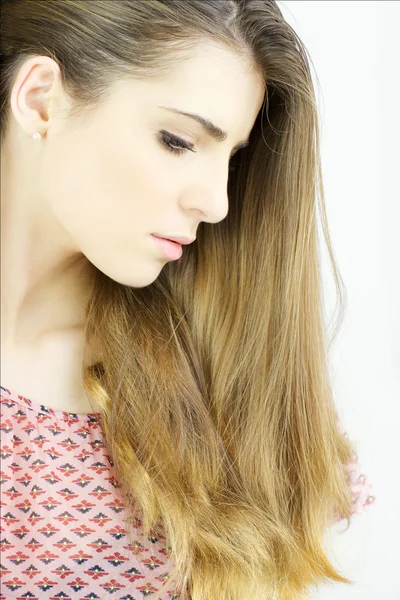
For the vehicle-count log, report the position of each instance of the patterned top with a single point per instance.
(62, 516)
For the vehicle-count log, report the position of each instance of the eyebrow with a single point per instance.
(213, 130)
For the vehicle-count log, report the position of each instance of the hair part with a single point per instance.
(214, 384)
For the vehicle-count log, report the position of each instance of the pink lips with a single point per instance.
(172, 238)
(171, 250)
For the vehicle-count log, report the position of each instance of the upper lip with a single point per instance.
(180, 239)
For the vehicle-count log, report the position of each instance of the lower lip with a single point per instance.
(172, 250)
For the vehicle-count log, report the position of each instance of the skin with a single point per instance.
(95, 189)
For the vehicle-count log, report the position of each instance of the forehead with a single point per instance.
(211, 81)
(215, 81)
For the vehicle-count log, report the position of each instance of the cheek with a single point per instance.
(140, 173)
(106, 191)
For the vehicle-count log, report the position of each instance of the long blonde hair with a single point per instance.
(214, 382)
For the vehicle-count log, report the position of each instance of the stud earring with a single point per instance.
(37, 136)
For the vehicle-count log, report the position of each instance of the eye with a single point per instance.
(174, 144)
(177, 145)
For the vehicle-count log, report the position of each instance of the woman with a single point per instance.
(176, 398)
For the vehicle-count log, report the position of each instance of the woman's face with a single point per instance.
(114, 178)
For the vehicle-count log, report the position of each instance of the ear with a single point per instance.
(35, 88)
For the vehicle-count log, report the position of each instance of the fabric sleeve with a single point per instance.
(362, 489)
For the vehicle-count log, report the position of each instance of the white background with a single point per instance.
(356, 70)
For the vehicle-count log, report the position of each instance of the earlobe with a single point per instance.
(29, 100)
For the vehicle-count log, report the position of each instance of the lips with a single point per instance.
(170, 249)
(169, 240)
(178, 239)
(166, 239)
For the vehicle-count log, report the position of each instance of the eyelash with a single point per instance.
(167, 140)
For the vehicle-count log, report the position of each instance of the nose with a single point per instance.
(209, 197)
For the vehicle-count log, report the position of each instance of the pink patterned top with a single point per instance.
(62, 517)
